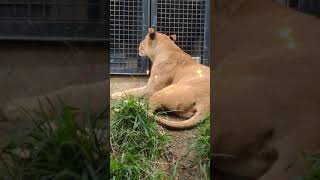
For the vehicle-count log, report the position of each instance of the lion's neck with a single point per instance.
(163, 50)
(170, 56)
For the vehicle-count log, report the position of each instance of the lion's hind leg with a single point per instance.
(174, 100)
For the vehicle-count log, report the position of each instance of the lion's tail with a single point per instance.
(186, 124)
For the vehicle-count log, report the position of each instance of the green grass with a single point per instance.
(137, 141)
(59, 147)
(201, 146)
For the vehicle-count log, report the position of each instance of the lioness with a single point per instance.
(176, 82)
(266, 90)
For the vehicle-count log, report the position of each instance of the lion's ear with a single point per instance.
(173, 37)
(151, 33)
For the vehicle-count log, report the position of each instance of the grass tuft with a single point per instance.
(59, 147)
(201, 146)
(136, 141)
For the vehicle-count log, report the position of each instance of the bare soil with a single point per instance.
(181, 161)
(181, 155)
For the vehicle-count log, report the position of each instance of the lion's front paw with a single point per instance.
(117, 95)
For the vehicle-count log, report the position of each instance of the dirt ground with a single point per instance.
(181, 155)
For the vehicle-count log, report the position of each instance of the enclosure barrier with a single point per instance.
(130, 19)
(53, 20)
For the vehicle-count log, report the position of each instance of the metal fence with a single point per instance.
(130, 19)
(53, 20)
(128, 26)
(306, 6)
(188, 19)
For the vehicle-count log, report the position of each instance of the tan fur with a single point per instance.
(266, 90)
(176, 81)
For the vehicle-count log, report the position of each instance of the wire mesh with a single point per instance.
(53, 19)
(127, 28)
(188, 19)
(129, 20)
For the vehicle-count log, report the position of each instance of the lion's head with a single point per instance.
(152, 42)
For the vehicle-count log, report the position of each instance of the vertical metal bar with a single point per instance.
(114, 32)
(169, 12)
(207, 53)
(127, 47)
(43, 10)
(147, 9)
(153, 15)
(14, 10)
(194, 34)
(72, 10)
(105, 11)
(122, 34)
(57, 9)
(29, 11)
(112, 29)
(44, 15)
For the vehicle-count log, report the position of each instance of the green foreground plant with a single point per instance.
(59, 148)
(314, 172)
(137, 141)
(201, 146)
